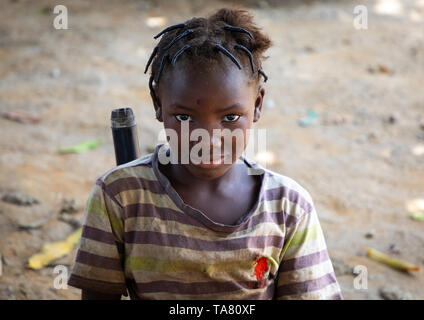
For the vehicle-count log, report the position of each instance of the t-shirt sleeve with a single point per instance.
(99, 262)
(306, 271)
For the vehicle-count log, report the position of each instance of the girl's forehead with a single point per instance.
(225, 82)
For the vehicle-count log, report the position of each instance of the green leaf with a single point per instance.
(82, 147)
(417, 216)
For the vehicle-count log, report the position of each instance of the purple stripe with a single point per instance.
(267, 295)
(167, 214)
(305, 261)
(179, 241)
(337, 296)
(145, 164)
(100, 183)
(280, 218)
(152, 211)
(134, 183)
(121, 247)
(306, 286)
(98, 261)
(96, 285)
(292, 195)
(195, 287)
(97, 234)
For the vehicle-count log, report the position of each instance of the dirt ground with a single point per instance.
(361, 160)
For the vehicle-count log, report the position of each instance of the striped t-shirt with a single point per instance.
(139, 235)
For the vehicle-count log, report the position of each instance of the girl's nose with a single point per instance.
(215, 140)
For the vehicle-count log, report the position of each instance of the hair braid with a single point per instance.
(228, 32)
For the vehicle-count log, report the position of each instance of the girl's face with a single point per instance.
(215, 99)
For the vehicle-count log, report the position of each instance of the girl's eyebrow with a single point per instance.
(180, 106)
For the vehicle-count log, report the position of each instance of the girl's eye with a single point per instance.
(231, 117)
(182, 117)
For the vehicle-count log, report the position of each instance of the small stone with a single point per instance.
(372, 136)
(55, 73)
(370, 234)
(71, 220)
(394, 249)
(420, 135)
(394, 293)
(69, 206)
(371, 70)
(309, 49)
(20, 199)
(346, 41)
(341, 268)
(413, 51)
(262, 4)
(421, 124)
(392, 119)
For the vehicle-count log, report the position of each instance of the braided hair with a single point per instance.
(228, 33)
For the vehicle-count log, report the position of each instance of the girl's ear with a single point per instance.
(258, 103)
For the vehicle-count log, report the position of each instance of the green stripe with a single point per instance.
(165, 266)
(98, 207)
(302, 236)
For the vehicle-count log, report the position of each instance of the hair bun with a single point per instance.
(243, 19)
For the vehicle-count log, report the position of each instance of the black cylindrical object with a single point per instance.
(125, 138)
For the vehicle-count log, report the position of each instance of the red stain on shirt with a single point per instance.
(261, 268)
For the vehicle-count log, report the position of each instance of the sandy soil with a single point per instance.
(357, 161)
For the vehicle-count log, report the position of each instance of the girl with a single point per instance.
(208, 229)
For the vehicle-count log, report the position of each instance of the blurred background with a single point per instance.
(344, 113)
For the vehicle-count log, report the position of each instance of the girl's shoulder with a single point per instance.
(280, 187)
(138, 171)
(275, 179)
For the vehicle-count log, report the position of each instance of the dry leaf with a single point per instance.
(385, 69)
(20, 117)
(390, 261)
(82, 147)
(417, 216)
(53, 251)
